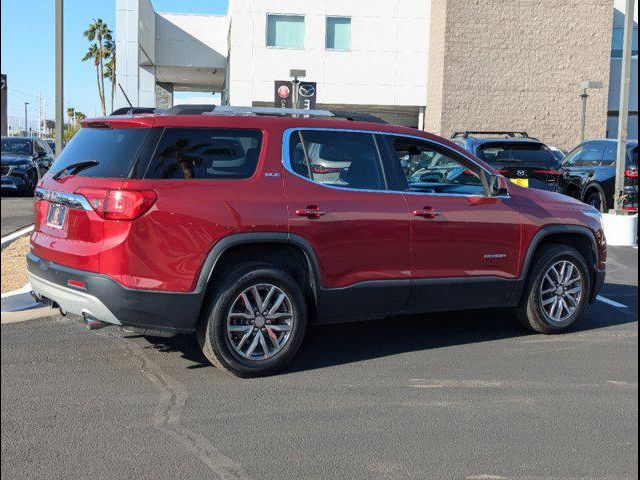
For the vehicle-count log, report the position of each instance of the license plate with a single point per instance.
(57, 215)
(522, 182)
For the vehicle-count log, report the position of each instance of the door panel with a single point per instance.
(360, 236)
(459, 236)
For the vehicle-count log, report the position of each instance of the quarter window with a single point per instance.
(204, 153)
(285, 31)
(429, 168)
(338, 33)
(340, 159)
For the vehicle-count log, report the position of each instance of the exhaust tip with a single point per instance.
(93, 323)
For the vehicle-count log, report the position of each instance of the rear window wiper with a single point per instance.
(74, 168)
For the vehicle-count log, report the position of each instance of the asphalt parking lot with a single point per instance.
(16, 212)
(461, 395)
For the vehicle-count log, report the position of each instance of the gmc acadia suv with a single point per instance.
(245, 225)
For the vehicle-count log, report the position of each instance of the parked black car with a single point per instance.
(522, 159)
(590, 171)
(24, 161)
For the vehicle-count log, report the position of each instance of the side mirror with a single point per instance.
(498, 185)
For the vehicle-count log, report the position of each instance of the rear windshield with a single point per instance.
(525, 153)
(114, 150)
(205, 153)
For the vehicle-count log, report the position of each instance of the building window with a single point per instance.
(285, 31)
(338, 33)
(617, 42)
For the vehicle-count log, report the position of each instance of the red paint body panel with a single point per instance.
(363, 236)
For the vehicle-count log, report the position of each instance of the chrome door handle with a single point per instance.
(312, 212)
(426, 212)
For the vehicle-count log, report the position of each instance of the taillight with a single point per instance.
(119, 204)
(631, 173)
(502, 171)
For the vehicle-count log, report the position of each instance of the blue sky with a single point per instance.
(28, 49)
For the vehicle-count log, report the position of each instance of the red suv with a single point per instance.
(246, 225)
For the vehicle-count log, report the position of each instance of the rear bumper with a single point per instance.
(104, 299)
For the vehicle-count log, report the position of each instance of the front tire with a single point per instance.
(557, 290)
(255, 322)
(598, 201)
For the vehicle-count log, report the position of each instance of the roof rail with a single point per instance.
(275, 111)
(468, 133)
(133, 111)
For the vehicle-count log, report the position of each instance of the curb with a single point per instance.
(7, 239)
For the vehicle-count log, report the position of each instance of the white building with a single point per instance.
(442, 65)
(362, 57)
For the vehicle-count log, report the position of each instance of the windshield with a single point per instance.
(111, 150)
(525, 153)
(16, 145)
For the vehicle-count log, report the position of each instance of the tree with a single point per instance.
(110, 67)
(71, 114)
(94, 54)
(99, 35)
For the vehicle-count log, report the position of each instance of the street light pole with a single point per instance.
(26, 123)
(623, 111)
(583, 112)
(59, 101)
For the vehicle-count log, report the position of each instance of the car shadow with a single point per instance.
(339, 344)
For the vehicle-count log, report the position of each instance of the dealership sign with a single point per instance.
(285, 96)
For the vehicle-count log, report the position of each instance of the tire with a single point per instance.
(597, 200)
(220, 346)
(532, 313)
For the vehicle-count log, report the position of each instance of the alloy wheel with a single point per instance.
(561, 291)
(260, 322)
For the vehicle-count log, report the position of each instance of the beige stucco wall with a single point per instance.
(517, 65)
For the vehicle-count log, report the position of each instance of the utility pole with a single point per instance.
(623, 111)
(59, 102)
(39, 115)
(26, 123)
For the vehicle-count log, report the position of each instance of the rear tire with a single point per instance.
(551, 302)
(244, 330)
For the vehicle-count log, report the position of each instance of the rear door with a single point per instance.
(338, 201)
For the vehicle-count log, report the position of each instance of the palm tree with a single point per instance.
(71, 114)
(110, 67)
(94, 54)
(98, 33)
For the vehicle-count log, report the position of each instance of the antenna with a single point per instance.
(125, 95)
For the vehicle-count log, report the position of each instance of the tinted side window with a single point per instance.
(205, 153)
(113, 149)
(341, 159)
(609, 157)
(573, 159)
(592, 155)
